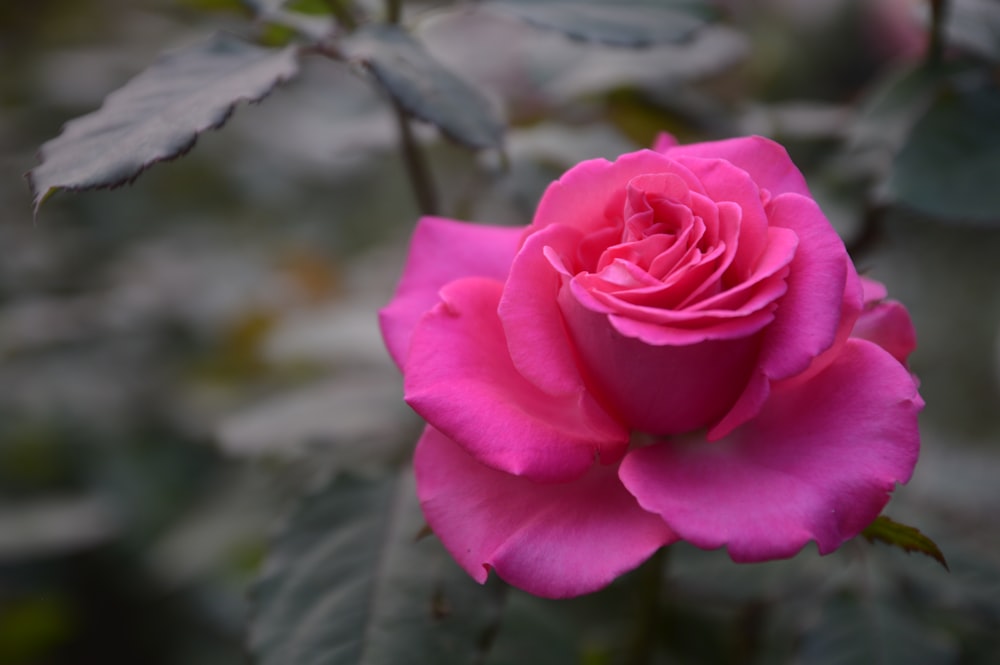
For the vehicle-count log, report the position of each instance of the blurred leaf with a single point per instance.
(355, 416)
(55, 525)
(425, 88)
(348, 582)
(159, 114)
(948, 167)
(851, 632)
(632, 23)
(975, 25)
(894, 106)
(32, 628)
(905, 537)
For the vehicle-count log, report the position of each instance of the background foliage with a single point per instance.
(202, 445)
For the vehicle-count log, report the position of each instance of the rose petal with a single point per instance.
(592, 194)
(664, 388)
(888, 324)
(442, 250)
(532, 322)
(460, 378)
(552, 540)
(767, 162)
(817, 463)
(810, 314)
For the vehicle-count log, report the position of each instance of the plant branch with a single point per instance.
(421, 181)
(393, 11)
(936, 41)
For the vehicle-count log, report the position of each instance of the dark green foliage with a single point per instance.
(348, 581)
(159, 114)
(423, 87)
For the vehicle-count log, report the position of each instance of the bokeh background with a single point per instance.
(180, 356)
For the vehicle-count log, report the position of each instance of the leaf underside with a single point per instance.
(905, 537)
(425, 88)
(159, 114)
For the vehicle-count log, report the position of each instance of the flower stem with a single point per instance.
(647, 618)
(419, 172)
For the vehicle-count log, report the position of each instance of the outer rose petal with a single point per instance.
(554, 541)
(532, 321)
(460, 378)
(817, 463)
(767, 162)
(810, 314)
(442, 250)
(887, 323)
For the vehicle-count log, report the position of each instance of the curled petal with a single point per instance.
(554, 541)
(532, 322)
(822, 286)
(460, 378)
(592, 195)
(662, 388)
(817, 463)
(442, 250)
(767, 162)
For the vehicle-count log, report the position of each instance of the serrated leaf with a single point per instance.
(632, 23)
(424, 87)
(348, 582)
(905, 537)
(159, 114)
(948, 167)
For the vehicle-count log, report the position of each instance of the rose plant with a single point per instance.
(678, 347)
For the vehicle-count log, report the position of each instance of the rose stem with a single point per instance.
(648, 611)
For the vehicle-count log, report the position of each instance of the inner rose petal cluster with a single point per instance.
(678, 347)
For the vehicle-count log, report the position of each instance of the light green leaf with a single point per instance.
(633, 23)
(424, 87)
(159, 114)
(948, 167)
(905, 537)
(349, 582)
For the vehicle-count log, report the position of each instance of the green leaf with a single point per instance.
(425, 88)
(905, 537)
(159, 114)
(948, 167)
(633, 23)
(348, 582)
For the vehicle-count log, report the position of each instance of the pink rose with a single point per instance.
(677, 348)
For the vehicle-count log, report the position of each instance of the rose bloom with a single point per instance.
(677, 348)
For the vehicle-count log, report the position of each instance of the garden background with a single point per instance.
(181, 359)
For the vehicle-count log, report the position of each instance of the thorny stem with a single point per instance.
(648, 609)
(421, 181)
